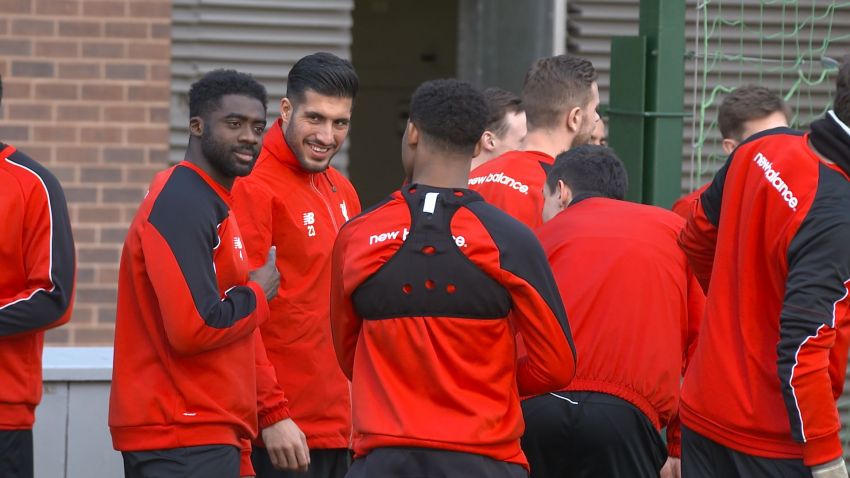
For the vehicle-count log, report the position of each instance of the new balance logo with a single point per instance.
(460, 241)
(500, 178)
(237, 244)
(774, 177)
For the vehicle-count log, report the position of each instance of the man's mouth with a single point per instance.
(318, 149)
(245, 156)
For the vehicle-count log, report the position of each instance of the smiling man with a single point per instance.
(295, 201)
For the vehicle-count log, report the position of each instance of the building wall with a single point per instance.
(86, 93)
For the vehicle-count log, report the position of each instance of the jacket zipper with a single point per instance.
(324, 199)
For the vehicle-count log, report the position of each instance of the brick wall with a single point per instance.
(86, 92)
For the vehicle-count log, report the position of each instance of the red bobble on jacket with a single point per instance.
(37, 280)
(513, 182)
(300, 213)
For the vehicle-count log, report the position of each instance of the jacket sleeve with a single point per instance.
(48, 260)
(252, 206)
(178, 244)
(272, 405)
(345, 323)
(812, 321)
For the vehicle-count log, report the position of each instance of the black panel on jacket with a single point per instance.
(429, 276)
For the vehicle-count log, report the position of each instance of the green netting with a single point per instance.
(789, 46)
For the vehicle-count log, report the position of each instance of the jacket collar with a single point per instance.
(275, 145)
(831, 137)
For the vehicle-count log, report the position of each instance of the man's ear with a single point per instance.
(196, 126)
(729, 145)
(286, 109)
(488, 141)
(574, 119)
(565, 194)
(412, 134)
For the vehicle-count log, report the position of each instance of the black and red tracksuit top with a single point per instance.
(633, 303)
(188, 355)
(769, 241)
(37, 280)
(428, 290)
(513, 182)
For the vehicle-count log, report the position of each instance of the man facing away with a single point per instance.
(505, 128)
(747, 110)
(429, 289)
(296, 202)
(768, 241)
(560, 97)
(188, 355)
(627, 287)
(36, 294)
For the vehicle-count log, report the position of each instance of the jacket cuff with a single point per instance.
(276, 414)
(674, 449)
(822, 450)
(262, 309)
(245, 466)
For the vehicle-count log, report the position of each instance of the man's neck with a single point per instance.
(442, 172)
(546, 141)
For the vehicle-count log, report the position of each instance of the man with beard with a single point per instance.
(560, 97)
(296, 202)
(184, 401)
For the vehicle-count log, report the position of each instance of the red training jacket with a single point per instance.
(423, 285)
(685, 204)
(37, 283)
(634, 305)
(300, 213)
(187, 349)
(768, 239)
(513, 182)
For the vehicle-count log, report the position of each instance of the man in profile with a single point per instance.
(505, 128)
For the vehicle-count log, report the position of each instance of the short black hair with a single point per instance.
(499, 103)
(450, 113)
(747, 103)
(841, 102)
(206, 93)
(324, 73)
(590, 169)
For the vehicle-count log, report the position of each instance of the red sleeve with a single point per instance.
(246, 468)
(252, 206)
(699, 239)
(345, 323)
(272, 405)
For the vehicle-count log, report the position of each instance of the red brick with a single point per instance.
(150, 51)
(15, 47)
(104, 50)
(96, 295)
(123, 195)
(144, 174)
(56, 91)
(42, 154)
(161, 72)
(78, 155)
(148, 93)
(80, 194)
(30, 111)
(100, 174)
(151, 9)
(85, 275)
(32, 69)
(78, 113)
(96, 254)
(28, 26)
(100, 134)
(57, 49)
(124, 155)
(57, 7)
(157, 135)
(133, 114)
(126, 30)
(80, 29)
(55, 134)
(103, 92)
(94, 336)
(65, 174)
(126, 71)
(15, 90)
(104, 9)
(79, 71)
(84, 235)
(99, 215)
(106, 315)
(4, 26)
(159, 115)
(16, 133)
(128, 212)
(159, 156)
(58, 336)
(15, 6)
(161, 30)
(114, 235)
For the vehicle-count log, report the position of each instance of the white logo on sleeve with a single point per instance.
(344, 210)
(237, 244)
(310, 221)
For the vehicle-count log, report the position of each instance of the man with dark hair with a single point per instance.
(770, 235)
(36, 294)
(560, 97)
(745, 111)
(296, 202)
(505, 128)
(599, 136)
(429, 289)
(189, 361)
(606, 252)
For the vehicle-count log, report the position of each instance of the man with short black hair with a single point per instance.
(36, 293)
(560, 97)
(295, 201)
(188, 355)
(505, 128)
(628, 288)
(429, 288)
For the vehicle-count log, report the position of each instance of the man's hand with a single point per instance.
(672, 469)
(287, 446)
(267, 276)
(833, 469)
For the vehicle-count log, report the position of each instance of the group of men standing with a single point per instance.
(505, 311)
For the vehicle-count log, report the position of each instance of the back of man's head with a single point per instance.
(745, 104)
(450, 114)
(206, 93)
(324, 73)
(499, 103)
(841, 102)
(590, 169)
(555, 85)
